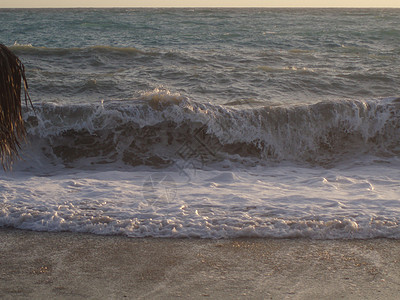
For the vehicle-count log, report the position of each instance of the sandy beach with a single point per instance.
(40, 265)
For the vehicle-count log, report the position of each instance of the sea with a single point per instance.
(207, 123)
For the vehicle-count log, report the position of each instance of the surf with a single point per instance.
(155, 129)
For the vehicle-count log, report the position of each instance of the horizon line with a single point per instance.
(200, 7)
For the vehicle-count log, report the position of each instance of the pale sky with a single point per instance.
(199, 3)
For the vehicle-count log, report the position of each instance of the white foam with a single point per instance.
(283, 201)
(227, 177)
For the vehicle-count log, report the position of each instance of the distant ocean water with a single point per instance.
(211, 123)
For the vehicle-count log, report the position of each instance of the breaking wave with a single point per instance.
(161, 127)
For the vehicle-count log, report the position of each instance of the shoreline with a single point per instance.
(79, 265)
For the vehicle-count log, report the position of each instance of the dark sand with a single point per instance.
(38, 265)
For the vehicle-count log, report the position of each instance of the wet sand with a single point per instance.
(39, 265)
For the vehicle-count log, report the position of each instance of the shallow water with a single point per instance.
(210, 123)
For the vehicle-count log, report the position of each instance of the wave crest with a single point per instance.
(157, 128)
(29, 48)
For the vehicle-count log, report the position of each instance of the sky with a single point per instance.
(198, 3)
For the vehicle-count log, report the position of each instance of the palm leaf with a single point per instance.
(12, 130)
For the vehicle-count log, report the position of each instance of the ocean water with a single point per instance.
(210, 123)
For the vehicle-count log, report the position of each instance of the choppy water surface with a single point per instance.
(208, 122)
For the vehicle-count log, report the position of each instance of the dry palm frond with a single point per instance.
(12, 128)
